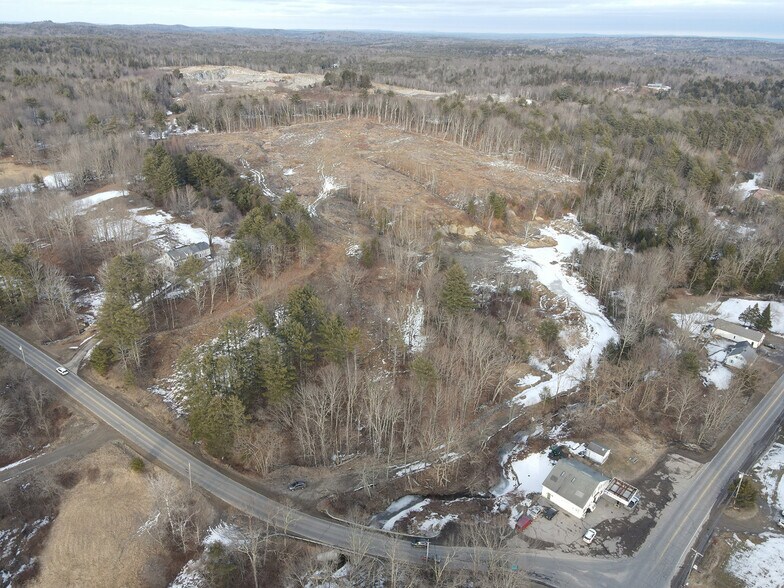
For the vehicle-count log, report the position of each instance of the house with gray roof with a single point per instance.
(740, 355)
(733, 332)
(574, 487)
(174, 257)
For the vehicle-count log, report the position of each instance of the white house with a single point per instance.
(597, 453)
(740, 355)
(174, 257)
(574, 487)
(733, 332)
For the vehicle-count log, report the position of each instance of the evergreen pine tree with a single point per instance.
(765, 322)
(751, 316)
(456, 296)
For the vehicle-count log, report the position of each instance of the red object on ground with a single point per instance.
(522, 523)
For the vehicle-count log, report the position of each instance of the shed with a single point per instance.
(574, 487)
(733, 332)
(597, 453)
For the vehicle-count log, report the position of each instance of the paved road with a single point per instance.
(91, 441)
(653, 566)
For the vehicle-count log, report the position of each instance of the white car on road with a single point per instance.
(62, 371)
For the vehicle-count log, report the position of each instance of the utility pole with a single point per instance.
(737, 489)
(691, 567)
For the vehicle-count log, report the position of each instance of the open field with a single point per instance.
(244, 79)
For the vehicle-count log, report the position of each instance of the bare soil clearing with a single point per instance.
(233, 77)
(385, 165)
(14, 174)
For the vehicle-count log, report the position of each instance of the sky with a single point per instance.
(722, 18)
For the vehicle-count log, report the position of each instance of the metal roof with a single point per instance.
(182, 253)
(573, 481)
(742, 348)
(598, 449)
(739, 331)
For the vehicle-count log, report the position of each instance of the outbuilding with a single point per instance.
(733, 332)
(597, 453)
(574, 487)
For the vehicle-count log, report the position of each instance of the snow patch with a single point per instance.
(549, 266)
(224, 533)
(770, 472)
(748, 187)
(82, 205)
(717, 375)
(390, 524)
(329, 186)
(58, 180)
(759, 565)
(412, 326)
(434, 523)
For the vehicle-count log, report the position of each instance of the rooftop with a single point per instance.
(739, 331)
(181, 253)
(573, 481)
(598, 449)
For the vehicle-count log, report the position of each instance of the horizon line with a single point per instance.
(545, 35)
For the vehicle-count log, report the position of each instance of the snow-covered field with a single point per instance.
(549, 266)
(730, 310)
(82, 205)
(759, 565)
(770, 472)
(163, 225)
(717, 375)
(523, 472)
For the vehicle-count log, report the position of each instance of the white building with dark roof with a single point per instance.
(597, 453)
(574, 487)
(175, 257)
(733, 332)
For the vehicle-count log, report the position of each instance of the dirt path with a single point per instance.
(97, 437)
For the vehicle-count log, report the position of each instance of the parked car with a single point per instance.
(550, 512)
(633, 502)
(297, 485)
(589, 536)
(62, 371)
